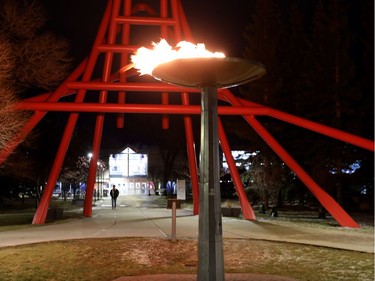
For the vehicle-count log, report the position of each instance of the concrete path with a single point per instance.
(145, 216)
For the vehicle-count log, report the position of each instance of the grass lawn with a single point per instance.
(108, 259)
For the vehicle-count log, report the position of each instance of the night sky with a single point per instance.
(219, 25)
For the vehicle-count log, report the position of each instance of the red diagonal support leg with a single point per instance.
(41, 212)
(315, 127)
(164, 34)
(324, 198)
(125, 40)
(247, 210)
(191, 156)
(183, 28)
(87, 211)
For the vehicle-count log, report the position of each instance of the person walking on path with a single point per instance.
(114, 194)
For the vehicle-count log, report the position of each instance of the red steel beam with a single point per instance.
(246, 108)
(190, 144)
(118, 48)
(41, 212)
(247, 210)
(184, 24)
(98, 132)
(165, 119)
(132, 86)
(177, 14)
(323, 129)
(316, 127)
(164, 34)
(324, 198)
(125, 40)
(145, 20)
(136, 108)
(68, 92)
(192, 158)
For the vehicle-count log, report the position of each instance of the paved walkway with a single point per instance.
(144, 216)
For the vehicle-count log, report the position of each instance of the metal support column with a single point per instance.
(210, 242)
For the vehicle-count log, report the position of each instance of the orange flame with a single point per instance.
(145, 60)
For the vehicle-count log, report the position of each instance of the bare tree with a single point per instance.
(30, 58)
(41, 57)
(267, 176)
(44, 62)
(11, 121)
(6, 61)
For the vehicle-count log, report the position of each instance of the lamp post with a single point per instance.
(209, 74)
(89, 157)
(100, 175)
(96, 192)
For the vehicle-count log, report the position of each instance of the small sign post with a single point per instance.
(174, 221)
(181, 189)
(176, 204)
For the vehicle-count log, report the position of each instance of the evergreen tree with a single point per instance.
(267, 176)
(263, 36)
(333, 92)
(311, 73)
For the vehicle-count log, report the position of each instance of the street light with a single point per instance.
(209, 74)
(100, 178)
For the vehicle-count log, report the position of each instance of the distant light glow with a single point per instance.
(239, 155)
(363, 191)
(350, 170)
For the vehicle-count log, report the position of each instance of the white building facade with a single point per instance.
(128, 171)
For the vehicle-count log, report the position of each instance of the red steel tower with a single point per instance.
(117, 38)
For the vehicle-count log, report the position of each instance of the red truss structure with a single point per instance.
(113, 43)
